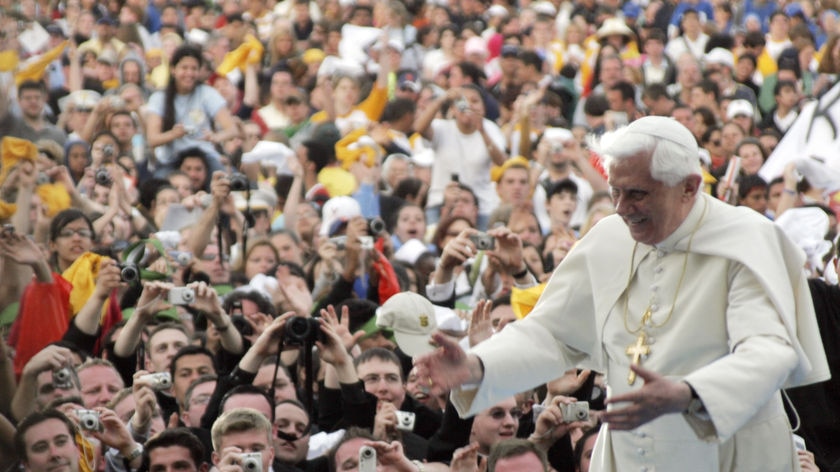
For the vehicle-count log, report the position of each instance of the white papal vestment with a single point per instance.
(742, 328)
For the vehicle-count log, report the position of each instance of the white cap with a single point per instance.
(719, 56)
(269, 153)
(410, 251)
(739, 107)
(338, 209)
(412, 319)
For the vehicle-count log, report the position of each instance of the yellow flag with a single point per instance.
(35, 70)
(82, 275)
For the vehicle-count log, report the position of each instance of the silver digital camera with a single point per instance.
(462, 105)
(367, 459)
(62, 378)
(89, 420)
(251, 462)
(181, 296)
(405, 420)
(483, 241)
(577, 411)
(158, 381)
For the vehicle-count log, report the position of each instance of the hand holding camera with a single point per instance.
(555, 421)
(507, 251)
(152, 298)
(111, 276)
(158, 381)
(251, 462)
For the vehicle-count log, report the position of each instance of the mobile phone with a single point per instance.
(455, 178)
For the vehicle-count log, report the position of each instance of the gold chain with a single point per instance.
(647, 317)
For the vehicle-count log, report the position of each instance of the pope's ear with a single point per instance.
(692, 184)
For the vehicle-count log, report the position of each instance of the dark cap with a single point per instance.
(510, 50)
(107, 20)
(408, 80)
(55, 30)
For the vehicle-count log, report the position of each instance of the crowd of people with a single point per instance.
(312, 234)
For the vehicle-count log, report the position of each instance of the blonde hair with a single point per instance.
(239, 420)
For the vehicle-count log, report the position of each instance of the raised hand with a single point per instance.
(342, 326)
(481, 328)
(550, 424)
(20, 249)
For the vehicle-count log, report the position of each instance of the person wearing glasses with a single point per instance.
(70, 282)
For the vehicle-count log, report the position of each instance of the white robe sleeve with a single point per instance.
(761, 358)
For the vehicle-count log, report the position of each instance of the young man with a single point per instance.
(515, 455)
(174, 449)
(562, 202)
(781, 117)
(752, 193)
(514, 184)
(560, 153)
(189, 363)
(468, 145)
(242, 431)
(46, 441)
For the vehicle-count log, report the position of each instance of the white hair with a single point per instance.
(673, 149)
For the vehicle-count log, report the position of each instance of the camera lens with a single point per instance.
(239, 182)
(129, 273)
(376, 226)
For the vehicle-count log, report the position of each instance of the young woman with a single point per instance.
(187, 114)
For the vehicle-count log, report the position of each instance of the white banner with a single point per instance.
(813, 143)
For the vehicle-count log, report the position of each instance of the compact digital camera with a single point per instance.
(181, 296)
(405, 420)
(62, 378)
(577, 411)
(251, 462)
(483, 241)
(367, 459)
(89, 420)
(158, 381)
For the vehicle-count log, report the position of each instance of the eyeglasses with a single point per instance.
(69, 232)
(200, 399)
(213, 257)
(499, 414)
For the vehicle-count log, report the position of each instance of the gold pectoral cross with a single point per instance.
(636, 351)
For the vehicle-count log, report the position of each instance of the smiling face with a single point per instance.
(495, 424)
(50, 448)
(651, 209)
(383, 380)
(185, 73)
(751, 158)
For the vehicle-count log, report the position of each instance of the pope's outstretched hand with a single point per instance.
(448, 366)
